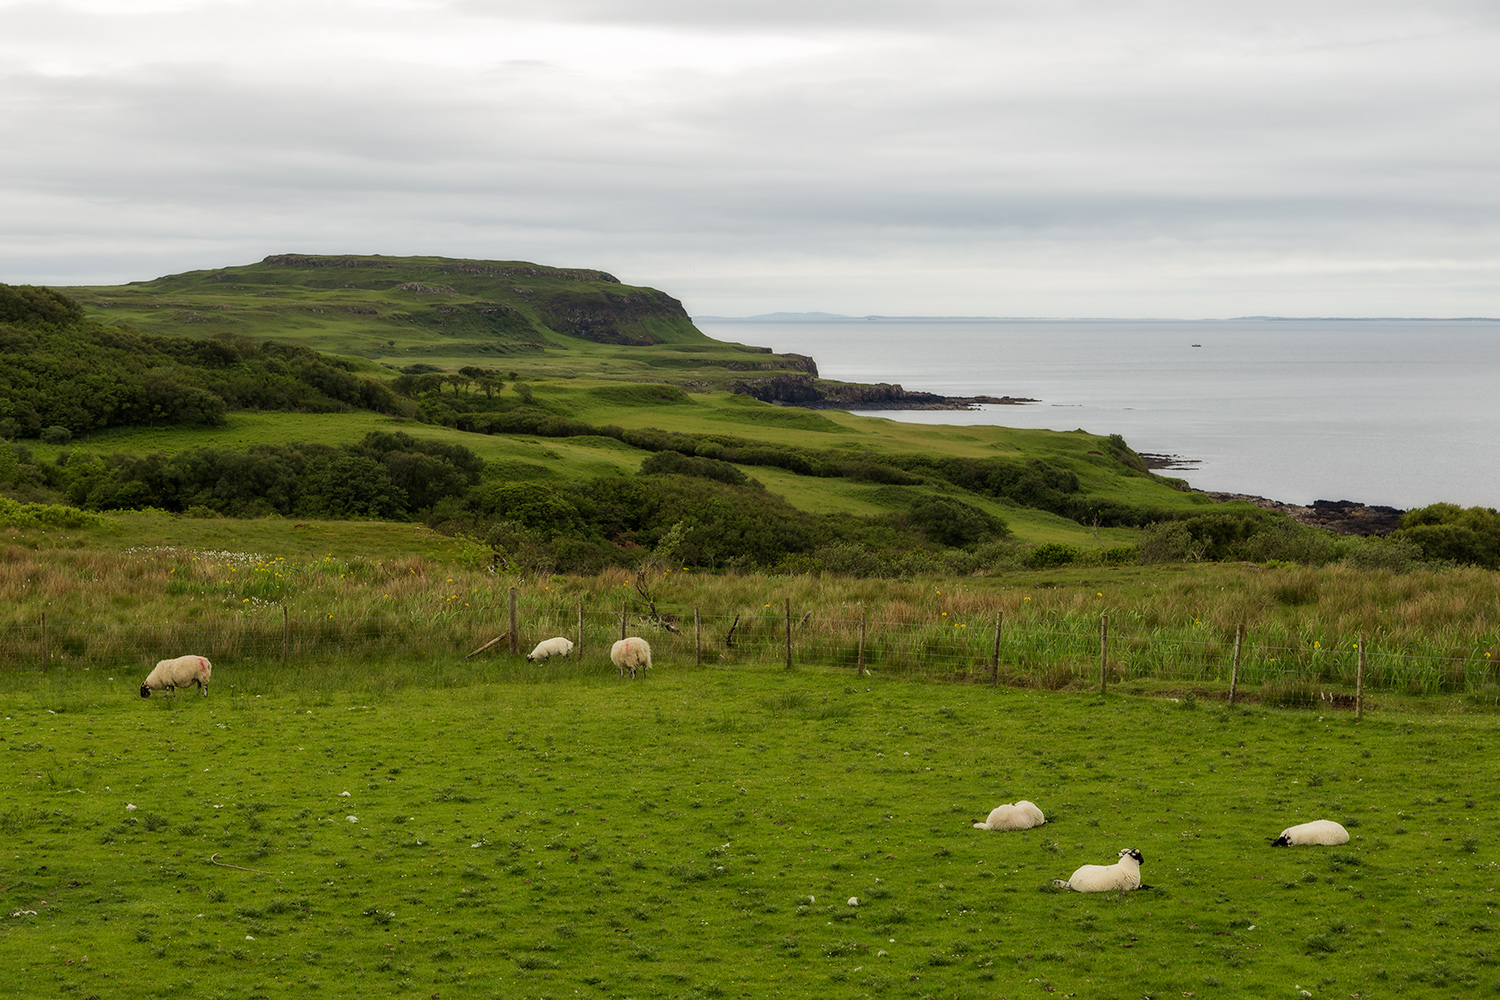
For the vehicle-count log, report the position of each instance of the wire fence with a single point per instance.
(1078, 653)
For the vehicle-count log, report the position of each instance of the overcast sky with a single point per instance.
(1163, 158)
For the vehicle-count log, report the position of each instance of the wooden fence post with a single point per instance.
(580, 631)
(1359, 684)
(515, 634)
(286, 637)
(697, 640)
(859, 666)
(1234, 671)
(623, 605)
(995, 658)
(45, 656)
(789, 633)
(1103, 653)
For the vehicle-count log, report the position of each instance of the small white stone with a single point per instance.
(853, 900)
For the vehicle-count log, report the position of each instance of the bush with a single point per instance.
(1394, 554)
(1447, 532)
(954, 523)
(56, 434)
(1051, 554)
(669, 462)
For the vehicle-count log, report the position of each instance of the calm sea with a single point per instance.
(1396, 412)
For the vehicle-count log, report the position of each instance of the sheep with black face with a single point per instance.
(1318, 833)
(1124, 874)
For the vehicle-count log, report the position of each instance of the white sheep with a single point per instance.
(1022, 815)
(632, 656)
(180, 672)
(556, 646)
(1318, 833)
(1124, 874)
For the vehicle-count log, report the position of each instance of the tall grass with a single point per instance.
(93, 607)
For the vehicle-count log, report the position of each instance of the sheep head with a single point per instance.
(1131, 852)
(145, 691)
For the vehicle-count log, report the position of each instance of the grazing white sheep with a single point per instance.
(557, 646)
(631, 656)
(1022, 815)
(1124, 874)
(180, 672)
(1318, 833)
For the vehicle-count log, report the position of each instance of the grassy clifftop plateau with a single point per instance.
(444, 312)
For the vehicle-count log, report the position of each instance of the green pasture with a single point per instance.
(435, 828)
(541, 459)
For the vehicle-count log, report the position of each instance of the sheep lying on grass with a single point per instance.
(1123, 874)
(1318, 833)
(1022, 815)
(173, 674)
(557, 646)
(631, 656)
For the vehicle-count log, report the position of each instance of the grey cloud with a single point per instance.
(1137, 153)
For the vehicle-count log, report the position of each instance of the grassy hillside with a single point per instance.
(557, 382)
(553, 378)
(402, 310)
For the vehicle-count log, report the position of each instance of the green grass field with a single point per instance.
(437, 829)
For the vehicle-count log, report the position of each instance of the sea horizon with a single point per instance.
(1386, 412)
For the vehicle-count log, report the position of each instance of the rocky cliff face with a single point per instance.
(608, 317)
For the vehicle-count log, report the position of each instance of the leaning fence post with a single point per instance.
(697, 640)
(1234, 671)
(995, 659)
(859, 666)
(1359, 684)
(789, 633)
(515, 634)
(1103, 653)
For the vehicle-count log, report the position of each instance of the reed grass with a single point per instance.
(77, 603)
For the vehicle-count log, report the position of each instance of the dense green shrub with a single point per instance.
(953, 523)
(1051, 554)
(672, 462)
(1447, 532)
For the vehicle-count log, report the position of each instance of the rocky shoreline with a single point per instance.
(1342, 517)
(812, 393)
